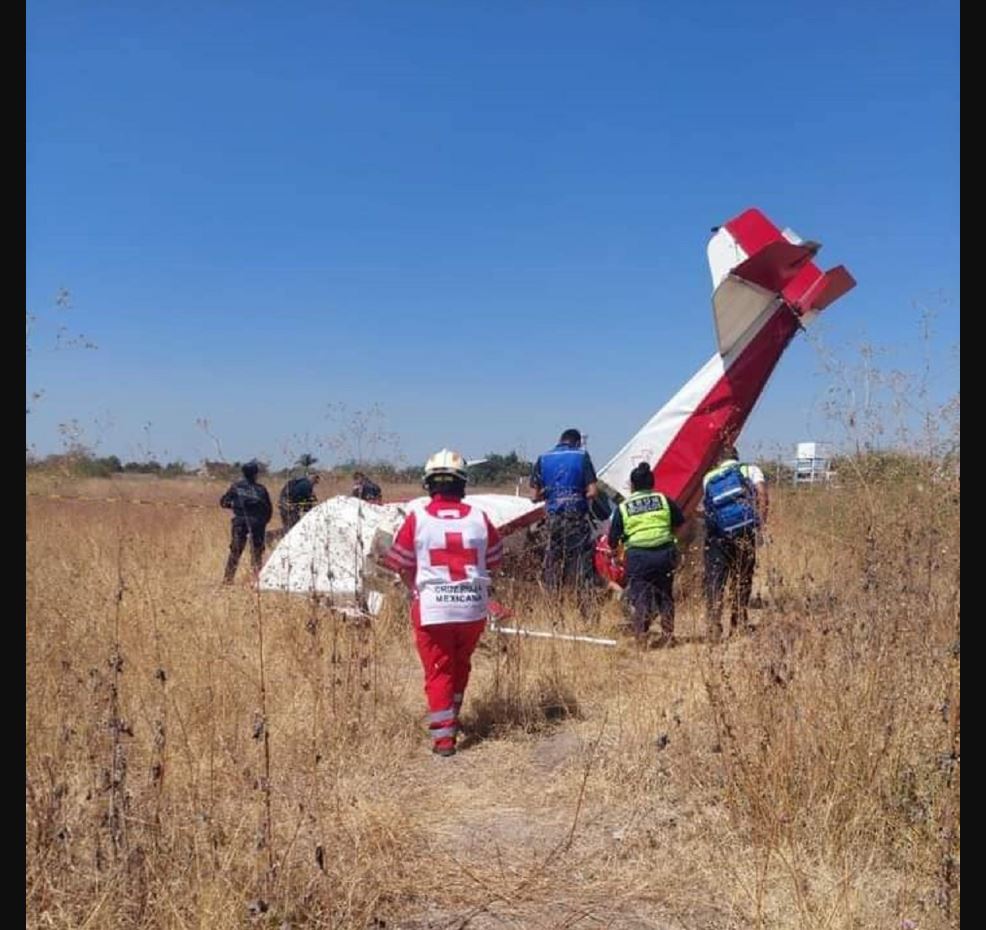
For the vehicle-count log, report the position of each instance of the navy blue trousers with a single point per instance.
(650, 583)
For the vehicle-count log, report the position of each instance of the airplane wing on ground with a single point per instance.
(766, 287)
(331, 551)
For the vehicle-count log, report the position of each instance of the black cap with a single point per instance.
(641, 478)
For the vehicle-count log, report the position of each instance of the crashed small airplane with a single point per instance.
(766, 287)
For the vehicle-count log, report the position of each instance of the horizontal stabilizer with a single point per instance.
(777, 264)
(832, 285)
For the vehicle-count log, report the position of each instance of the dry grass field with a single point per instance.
(204, 757)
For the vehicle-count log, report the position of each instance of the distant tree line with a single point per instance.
(495, 469)
(88, 465)
(500, 469)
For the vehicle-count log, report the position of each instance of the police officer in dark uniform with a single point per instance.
(365, 489)
(645, 523)
(251, 506)
(297, 497)
(566, 481)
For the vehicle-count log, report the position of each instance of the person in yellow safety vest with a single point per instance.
(735, 505)
(645, 523)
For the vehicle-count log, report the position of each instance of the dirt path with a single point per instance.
(527, 807)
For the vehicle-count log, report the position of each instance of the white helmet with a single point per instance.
(446, 462)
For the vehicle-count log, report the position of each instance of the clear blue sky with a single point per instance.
(490, 219)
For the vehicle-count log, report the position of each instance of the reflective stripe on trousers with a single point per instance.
(443, 724)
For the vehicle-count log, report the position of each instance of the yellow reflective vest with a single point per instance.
(646, 520)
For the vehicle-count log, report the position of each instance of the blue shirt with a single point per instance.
(563, 474)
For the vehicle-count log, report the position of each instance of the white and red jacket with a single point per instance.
(450, 547)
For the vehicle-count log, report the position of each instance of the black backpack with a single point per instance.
(251, 499)
(297, 489)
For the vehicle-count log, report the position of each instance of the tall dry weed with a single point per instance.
(182, 773)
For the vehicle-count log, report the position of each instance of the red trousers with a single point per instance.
(445, 650)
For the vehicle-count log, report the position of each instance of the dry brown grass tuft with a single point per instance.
(182, 773)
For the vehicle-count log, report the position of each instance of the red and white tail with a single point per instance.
(766, 286)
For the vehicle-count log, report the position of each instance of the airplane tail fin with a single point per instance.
(766, 286)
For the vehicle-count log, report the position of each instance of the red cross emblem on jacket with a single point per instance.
(455, 557)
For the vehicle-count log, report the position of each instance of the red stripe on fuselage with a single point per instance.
(722, 412)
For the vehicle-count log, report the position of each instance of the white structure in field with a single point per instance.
(332, 550)
(813, 463)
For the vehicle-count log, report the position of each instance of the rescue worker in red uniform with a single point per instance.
(444, 552)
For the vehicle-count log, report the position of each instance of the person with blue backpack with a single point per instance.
(735, 502)
(564, 478)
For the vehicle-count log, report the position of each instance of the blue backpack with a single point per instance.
(730, 503)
